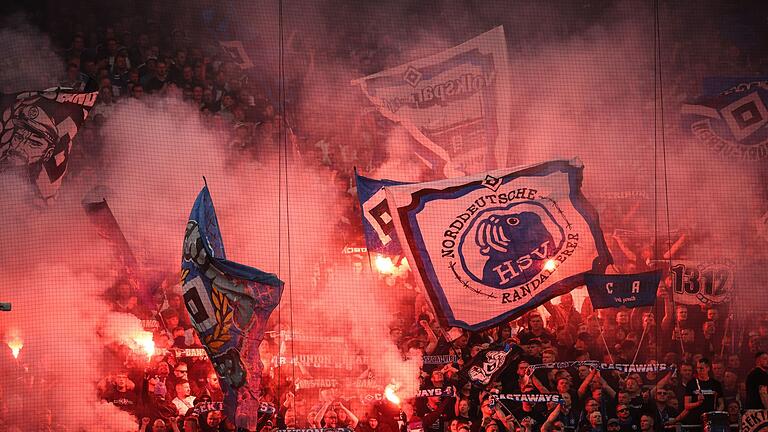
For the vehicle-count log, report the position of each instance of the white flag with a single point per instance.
(492, 246)
(455, 104)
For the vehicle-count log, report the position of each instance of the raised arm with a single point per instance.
(352, 417)
(585, 385)
(624, 248)
(606, 387)
(321, 412)
(432, 344)
(550, 421)
(675, 247)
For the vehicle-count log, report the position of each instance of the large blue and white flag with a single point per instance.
(492, 246)
(731, 118)
(628, 290)
(229, 305)
(378, 226)
(455, 104)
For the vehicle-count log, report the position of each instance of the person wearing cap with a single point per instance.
(532, 348)
(613, 425)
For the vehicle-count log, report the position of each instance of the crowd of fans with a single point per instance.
(720, 362)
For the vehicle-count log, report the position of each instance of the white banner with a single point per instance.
(490, 247)
(702, 282)
(456, 104)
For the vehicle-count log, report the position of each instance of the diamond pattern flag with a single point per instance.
(455, 104)
(731, 118)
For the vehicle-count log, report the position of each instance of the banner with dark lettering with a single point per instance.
(703, 282)
(490, 247)
(486, 366)
(528, 397)
(378, 226)
(617, 290)
(442, 392)
(455, 104)
(36, 133)
(229, 305)
(754, 421)
(621, 367)
(730, 118)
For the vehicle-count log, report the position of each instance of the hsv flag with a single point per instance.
(616, 290)
(492, 246)
(731, 118)
(455, 104)
(229, 304)
(36, 133)
(378, 226)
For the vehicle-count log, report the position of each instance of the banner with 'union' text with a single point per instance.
(492, 246)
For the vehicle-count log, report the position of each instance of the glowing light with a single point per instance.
(145, 342)
(389, 393)
(550, 265)
(385, 264)
(15, 345)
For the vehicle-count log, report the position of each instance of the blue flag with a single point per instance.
(731, 118)
(616, 290)
(229, 304)
(378, 224)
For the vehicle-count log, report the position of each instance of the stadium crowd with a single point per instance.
(720, 361)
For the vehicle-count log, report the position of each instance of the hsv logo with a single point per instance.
(513, 244)
(412, 76)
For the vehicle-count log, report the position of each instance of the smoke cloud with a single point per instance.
(583, 85)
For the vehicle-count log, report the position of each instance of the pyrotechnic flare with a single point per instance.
(385, 265)
(145, 342)
(15, 344)
(391, 395)
(550, 265)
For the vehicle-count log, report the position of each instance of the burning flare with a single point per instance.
(15, 345)
(385, 264)
(389, 393)
(144, 341)
(550, 265)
